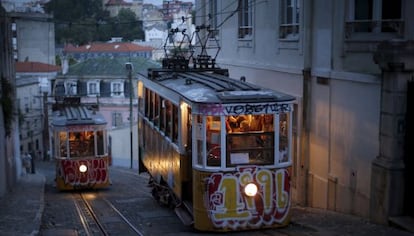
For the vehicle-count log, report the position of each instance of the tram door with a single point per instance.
(188, 127)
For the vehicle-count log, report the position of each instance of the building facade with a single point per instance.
(322, 52)
(105, 83)
(26, 34)
(33, 37)
(33, 86)
(10, 162)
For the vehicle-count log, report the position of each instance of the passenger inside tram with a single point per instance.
(81, 144)
(249, 140)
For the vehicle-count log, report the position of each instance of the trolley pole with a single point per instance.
(128, 67)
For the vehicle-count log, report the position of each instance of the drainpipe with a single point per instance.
(306, 101)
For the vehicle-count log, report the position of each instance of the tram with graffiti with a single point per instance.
(217, 149)
(79, 146)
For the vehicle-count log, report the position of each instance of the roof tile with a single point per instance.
(106, 47)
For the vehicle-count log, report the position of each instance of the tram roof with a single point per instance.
(68, 115)
(214, 86)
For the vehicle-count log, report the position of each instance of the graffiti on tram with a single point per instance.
(228, 207)
(266, 108)
(97, 171)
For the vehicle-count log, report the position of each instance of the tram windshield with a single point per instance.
(248, 139)
(80, 144)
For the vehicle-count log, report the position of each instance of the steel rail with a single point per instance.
(123, 217)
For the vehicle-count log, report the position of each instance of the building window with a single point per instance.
(117, 89)
(245, 19)
(212, 18)
(116, 119)
(71, 88)
(93, 88)
(26, 104)
(374, 17)
(289, 19)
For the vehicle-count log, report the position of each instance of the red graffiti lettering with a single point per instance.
(97, 171)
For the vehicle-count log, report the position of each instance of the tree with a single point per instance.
(127, 26)
(82, 21)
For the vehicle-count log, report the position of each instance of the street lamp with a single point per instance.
(128, 67)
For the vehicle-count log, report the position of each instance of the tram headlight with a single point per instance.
(250, 189)
(83, 168)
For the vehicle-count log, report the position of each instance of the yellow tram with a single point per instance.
(79, 146)
(217, 149)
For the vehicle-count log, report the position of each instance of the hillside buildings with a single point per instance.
(114, 6)
(111, 50)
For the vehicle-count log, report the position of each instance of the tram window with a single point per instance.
(81, 144)
(213, 138)
(157, 110)
(140, 97)
(175, 124)
(162, 115)
(250, 141)
(168, 118)
(151, 109)
(255, 122)
(63, 136)
(100, 142)
(284, 137)
(147, 99)
(268, 123)
(198, 126)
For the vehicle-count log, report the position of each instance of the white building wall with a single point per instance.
(344, 97)
(29, 97)
(35, 41)
(120, 146)
(344, 116)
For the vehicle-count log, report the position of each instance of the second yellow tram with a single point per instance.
(79, 146)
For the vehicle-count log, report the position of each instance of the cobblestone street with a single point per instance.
(130, 194)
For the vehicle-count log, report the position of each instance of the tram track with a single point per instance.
(98, 216)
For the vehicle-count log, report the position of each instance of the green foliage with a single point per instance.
(126, 25)
(83, 21)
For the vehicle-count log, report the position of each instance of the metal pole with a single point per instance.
(129, 69)
(45, 128)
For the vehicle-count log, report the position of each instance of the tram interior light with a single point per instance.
(83, 168)
(250, 189)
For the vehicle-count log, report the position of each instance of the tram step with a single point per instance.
(189, 207)
(183, 212)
